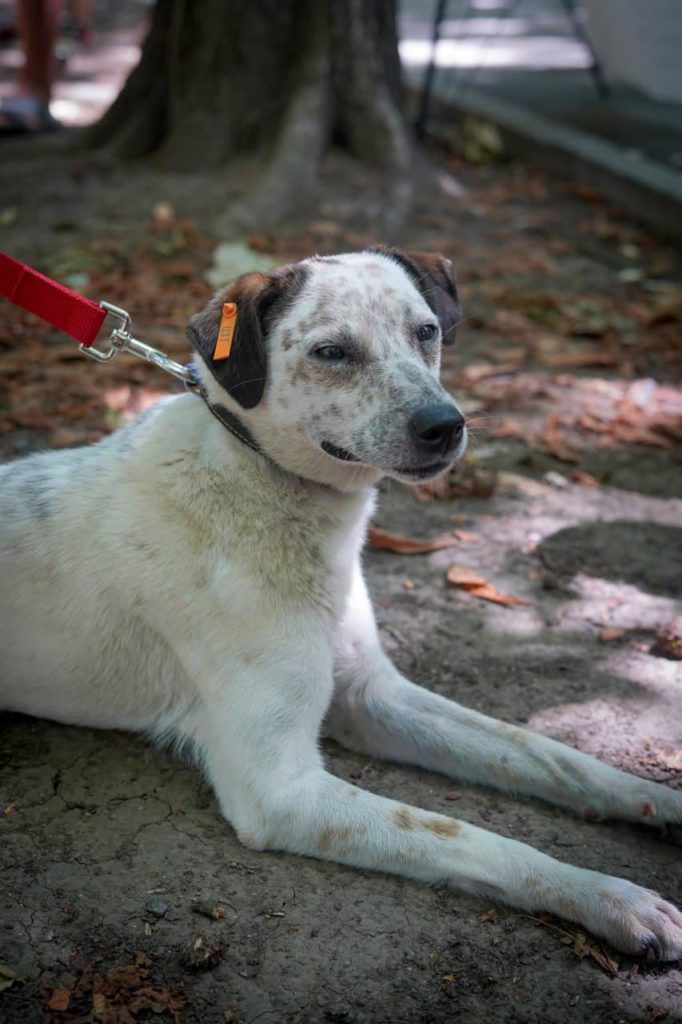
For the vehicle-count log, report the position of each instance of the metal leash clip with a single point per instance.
(121, 340)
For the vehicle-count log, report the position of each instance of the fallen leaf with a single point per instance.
(400, 545)
(208, 909)
(466, 537)
(604, 959)
(489, 916)
(668, 642)
(99, 1002)
(489, 593)
(579, 476)
(671, 759)
(59, 1000)
(10, 809)
(464, 578)
(466, 480)
(7, 978)
(611, 633)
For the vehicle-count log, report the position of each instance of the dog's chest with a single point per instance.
(286, 543)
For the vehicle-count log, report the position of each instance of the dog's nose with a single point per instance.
(437, 428)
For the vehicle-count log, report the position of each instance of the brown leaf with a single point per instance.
(669, 640)
(466, 536)
(490, 593)
(464, 578)
(611, 633)
(580, 476)
(671, 759)
(59, 1000)
(400, 545)
(208, 909)
(490, 916)
(99, 1002)
(604, 959)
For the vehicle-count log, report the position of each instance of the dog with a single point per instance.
(197, 576)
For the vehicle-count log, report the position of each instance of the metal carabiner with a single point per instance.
(122, 340)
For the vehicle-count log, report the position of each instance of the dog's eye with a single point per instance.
(331, 353)
(427, 332)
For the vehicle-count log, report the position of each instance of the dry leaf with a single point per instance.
(399, 545)
(489, 593)
(605, 961)
(612, 633)
(668, 641)
(671, 759)
(7, 977)
(464, 578)
(466, 536)
(59, 1000)
(579, 476)
(489, 916)
(99, 1002)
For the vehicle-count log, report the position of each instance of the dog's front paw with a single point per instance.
(634, 920)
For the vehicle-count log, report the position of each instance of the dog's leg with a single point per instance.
(261, 753)
(378, 711)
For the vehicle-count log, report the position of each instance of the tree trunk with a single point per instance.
(278, 81)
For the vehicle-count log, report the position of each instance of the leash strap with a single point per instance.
(75, 315)
(82, 319)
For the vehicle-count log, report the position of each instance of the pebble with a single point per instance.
(156, 907)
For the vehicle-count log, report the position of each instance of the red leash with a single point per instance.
(83, 319)
(59, 306)
(80, 317)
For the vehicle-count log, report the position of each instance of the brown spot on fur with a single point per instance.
(353, 793)
(444, 827)
(403, 819)
(648, 809)
(330, 835)
(567, 908)
(516, 735)
(325, 840)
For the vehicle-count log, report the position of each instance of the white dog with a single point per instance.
(207, 588)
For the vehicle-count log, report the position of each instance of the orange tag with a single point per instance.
(228, 322)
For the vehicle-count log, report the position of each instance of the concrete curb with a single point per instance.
(646, 189)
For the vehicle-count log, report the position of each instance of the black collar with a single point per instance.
(221, 413)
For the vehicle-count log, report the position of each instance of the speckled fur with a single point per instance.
(173, 581)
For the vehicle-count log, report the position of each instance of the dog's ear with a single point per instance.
(435, 278)
(244, 372)
(258, 298)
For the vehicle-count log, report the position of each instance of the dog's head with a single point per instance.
(334, 365)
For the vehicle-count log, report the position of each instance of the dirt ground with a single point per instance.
(124, 895)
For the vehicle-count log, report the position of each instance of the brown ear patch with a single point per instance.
(434, 276)
(239, 362)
